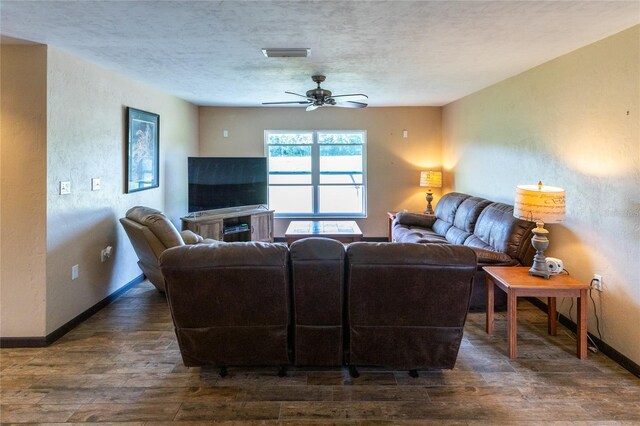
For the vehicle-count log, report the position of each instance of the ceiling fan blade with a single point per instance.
(298, 94)
(281, 103)
(351, 94)
(350, 104)
(312, 107)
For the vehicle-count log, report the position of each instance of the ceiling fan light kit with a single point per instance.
(319, 97)
(289, 52)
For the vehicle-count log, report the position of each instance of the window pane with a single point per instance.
(344, 178)
(289, 178)
(341, 164)
(342, 138)
(289, 164)
(291, 199)
(289, 138)
(341, 199)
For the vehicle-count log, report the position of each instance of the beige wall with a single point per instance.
(85, 133)
(574, 123)
(63, 119)
(393, 163)
(23, 205)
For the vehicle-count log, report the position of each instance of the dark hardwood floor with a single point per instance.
(123, 366)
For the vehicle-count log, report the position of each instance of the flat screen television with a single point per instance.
(220, 182)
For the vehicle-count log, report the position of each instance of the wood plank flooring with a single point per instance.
(123, 366)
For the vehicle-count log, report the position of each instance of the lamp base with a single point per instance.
(540, 242)
(540, 273)
(429, 209)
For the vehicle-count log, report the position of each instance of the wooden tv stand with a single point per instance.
(251, 223)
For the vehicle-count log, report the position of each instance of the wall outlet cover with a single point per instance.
(65, 187)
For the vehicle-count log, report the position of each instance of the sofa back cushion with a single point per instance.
(157, 223)
(464, 222)
(446, 211)
(498, 230)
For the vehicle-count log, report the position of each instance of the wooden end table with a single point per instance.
(516, 282)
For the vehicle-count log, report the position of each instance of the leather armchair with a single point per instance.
(151, 233)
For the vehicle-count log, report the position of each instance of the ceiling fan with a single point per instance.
(318, 97)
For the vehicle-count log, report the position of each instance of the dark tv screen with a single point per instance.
(220, 182)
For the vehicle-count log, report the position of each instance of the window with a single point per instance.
(319, 173)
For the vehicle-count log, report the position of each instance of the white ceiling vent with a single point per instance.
(292, 52)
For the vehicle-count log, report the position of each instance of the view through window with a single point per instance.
(317, 173)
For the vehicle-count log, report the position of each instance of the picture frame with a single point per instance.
(143, 150)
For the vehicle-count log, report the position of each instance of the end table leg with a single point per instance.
(512, 334)
(582, 324)
(552, 314)
(489, 292)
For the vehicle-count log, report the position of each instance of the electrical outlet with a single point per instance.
(105, 254)
(65, 187)
(597, 282)
(75, 271)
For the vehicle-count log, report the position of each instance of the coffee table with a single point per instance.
(345, 231)
(516, 282)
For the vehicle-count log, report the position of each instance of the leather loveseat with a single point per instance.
(317, 304)
(488, 228)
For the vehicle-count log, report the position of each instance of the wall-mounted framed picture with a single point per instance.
(143, 150)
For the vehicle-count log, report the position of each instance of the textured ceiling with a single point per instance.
(397, 52)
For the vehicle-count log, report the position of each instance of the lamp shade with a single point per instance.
(539, 203)
(431, 179)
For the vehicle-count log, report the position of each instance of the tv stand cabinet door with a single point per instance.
(262, 227)
(209, 229)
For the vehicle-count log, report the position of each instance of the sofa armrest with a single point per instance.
(415, 219)
(490, 257)
(190, 237)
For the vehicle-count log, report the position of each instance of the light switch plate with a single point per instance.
(65, 187)
(95, 184)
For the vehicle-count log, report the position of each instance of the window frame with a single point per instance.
(315, 172)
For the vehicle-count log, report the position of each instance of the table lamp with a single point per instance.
(429, 179)
(540, 204)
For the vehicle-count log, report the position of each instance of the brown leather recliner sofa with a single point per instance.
(488, 228)
(317, 304)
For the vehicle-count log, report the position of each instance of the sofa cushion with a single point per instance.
(415, 234)
(498, 230)
(490, 257)
(415, 219)
(446, 211)
(465, 220)
(468, 212)
(448, 205)
(190, 237)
